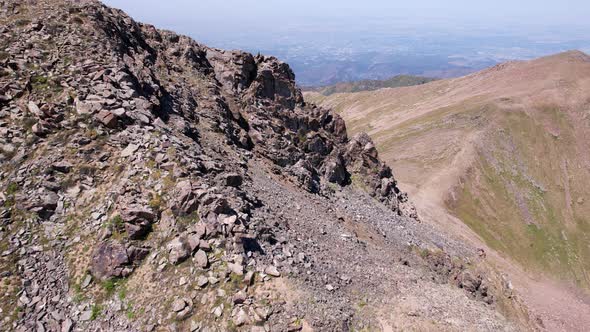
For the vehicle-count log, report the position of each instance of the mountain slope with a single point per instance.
(150, 183)
(503, 150)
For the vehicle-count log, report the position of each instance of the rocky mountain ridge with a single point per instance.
(150, 183)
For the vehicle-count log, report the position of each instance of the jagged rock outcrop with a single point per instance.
(115, 260)
(175, 174)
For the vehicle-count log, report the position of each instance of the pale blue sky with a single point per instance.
(538, 12)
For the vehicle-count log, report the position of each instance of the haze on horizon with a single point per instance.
(234, 13)
(329, 41)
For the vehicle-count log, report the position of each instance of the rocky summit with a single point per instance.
(151, 183)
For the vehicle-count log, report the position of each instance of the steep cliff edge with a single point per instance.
(153, 183)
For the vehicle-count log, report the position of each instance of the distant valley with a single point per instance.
(370, 85)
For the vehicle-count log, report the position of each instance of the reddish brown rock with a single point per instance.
(107, 118)
(110, 259)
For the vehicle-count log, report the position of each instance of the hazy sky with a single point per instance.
(258, 12)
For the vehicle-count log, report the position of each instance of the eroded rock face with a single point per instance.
(335, 170)
(185, 199)
(138, 220)
(235, 70)
(308, 141)
(44, 203)
(114, 260)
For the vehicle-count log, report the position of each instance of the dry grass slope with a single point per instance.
(504, 150)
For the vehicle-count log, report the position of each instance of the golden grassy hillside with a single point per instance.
(505, 150)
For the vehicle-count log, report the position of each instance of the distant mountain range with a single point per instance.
(370, 85)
